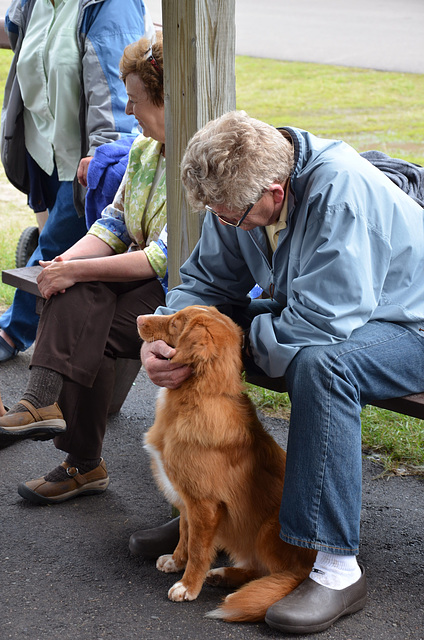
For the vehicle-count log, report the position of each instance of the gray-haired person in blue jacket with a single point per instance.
(338, 248)
(66, 69)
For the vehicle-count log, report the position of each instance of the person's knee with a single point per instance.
(317, 369)
(309, 363)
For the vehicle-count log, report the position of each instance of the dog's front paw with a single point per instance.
(167, 564)
(179, 592)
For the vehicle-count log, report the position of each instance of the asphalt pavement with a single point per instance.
(386, 35)
(66, 572)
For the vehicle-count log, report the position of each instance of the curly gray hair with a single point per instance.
(232, 160)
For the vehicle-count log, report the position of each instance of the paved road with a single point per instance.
(377, 34)
(65, 570)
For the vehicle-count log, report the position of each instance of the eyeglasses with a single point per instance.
(230, 224)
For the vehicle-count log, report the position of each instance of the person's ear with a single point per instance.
(277, 191)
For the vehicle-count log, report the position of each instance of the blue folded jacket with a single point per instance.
(104, 175)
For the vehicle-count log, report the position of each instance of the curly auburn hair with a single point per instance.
(136, 59)
(232, 160)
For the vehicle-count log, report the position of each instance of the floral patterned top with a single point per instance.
(137, 214)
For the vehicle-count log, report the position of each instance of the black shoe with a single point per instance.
(152, 543)
(311, 607)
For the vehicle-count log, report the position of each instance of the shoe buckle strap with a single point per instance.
(32, 410)
(73, 472)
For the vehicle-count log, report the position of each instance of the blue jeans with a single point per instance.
(62, 229)
(328, 386)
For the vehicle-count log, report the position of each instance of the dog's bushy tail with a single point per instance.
(250, 603)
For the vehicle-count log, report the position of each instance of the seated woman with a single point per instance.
(95, 291)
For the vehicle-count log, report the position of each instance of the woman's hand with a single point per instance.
(55, 277)
(157, 360)
(83, 169)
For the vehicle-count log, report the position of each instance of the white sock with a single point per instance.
(334, 571)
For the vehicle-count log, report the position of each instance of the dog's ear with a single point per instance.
(195, 344)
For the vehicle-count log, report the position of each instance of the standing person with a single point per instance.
(66, 63)
(339, 249)
(89, 318)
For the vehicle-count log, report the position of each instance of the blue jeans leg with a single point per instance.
(62, 229)
(328, 386)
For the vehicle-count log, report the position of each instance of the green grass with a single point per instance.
(5, 59)
(370, 110)
(15, 216)
(395, 440)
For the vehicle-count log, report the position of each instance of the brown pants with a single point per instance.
(80, 334)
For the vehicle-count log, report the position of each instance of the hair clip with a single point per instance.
(152, 59)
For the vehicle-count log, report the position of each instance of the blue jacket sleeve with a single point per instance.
(106, 29)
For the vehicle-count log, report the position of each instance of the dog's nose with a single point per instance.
(142, 319)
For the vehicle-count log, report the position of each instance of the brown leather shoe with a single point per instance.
(41, 424)
(42, 492)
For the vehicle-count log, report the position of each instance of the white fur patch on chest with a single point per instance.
(160, 397)
(161, 477)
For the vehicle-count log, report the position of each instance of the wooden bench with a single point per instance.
(412, 405)
(126, 370)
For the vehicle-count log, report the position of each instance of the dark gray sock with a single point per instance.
(84, 466)
(43, 389)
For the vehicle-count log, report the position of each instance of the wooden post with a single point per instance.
(199, 83)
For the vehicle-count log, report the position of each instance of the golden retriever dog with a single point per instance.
(214, 461)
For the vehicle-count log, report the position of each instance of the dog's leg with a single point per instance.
(203, 521)
(177, 561)
(231, 576)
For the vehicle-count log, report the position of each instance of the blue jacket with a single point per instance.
(105, 28)
(104, 175)
(353, 251)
